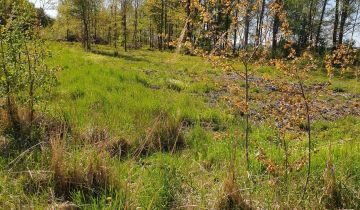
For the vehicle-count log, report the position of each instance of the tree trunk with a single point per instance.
(310, 24)
(165, 37)
(151, 35)
(235, 41)
(170, 33)
(336, 23)
(86, 41)
(95, 28)
(344, 16)
(161, 29)
(235, 30)
(116, 35)
(135, 37)
(247, 24)
(303, 32)
(86, 25)
(317, 39)
(188, 24)
(259, 24)
(85, 13)
(355, 23)
(124, 23)
(31, 86)
(10, 104)
(275, 29)
(67, 34)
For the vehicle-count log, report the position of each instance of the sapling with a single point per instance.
(24, 72)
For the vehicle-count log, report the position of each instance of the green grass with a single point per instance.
(124, 95)
(116, 93)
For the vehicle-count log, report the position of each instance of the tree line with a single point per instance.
(204, 24)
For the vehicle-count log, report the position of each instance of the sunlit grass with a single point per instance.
(124, 95)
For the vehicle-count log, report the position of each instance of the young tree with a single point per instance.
(22, 59)
(86, 11)
(82, 9)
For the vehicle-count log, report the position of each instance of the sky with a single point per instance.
(51, 10)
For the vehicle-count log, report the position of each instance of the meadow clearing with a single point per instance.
(157, 130)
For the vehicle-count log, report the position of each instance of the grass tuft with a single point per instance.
(80, 169)
(165, 134)
(231, 198)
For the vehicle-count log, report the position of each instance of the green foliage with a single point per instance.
(24, 72)
(25, 80)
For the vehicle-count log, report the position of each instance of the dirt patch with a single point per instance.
(267, 95)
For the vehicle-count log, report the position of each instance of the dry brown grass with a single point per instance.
(94, 135)
(63, 206)
(85, 169)
(51, 127)
(332, 198)
(36, 182)
(42, 127)
(104, 140)
(5, 119)
(3, 142)
(231, 198)
(117, 147)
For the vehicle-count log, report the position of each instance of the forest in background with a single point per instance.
(194, 104)
(161, 24)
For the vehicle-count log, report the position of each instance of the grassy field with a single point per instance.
(157, 130)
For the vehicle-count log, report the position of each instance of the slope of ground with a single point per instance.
(157, 130)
